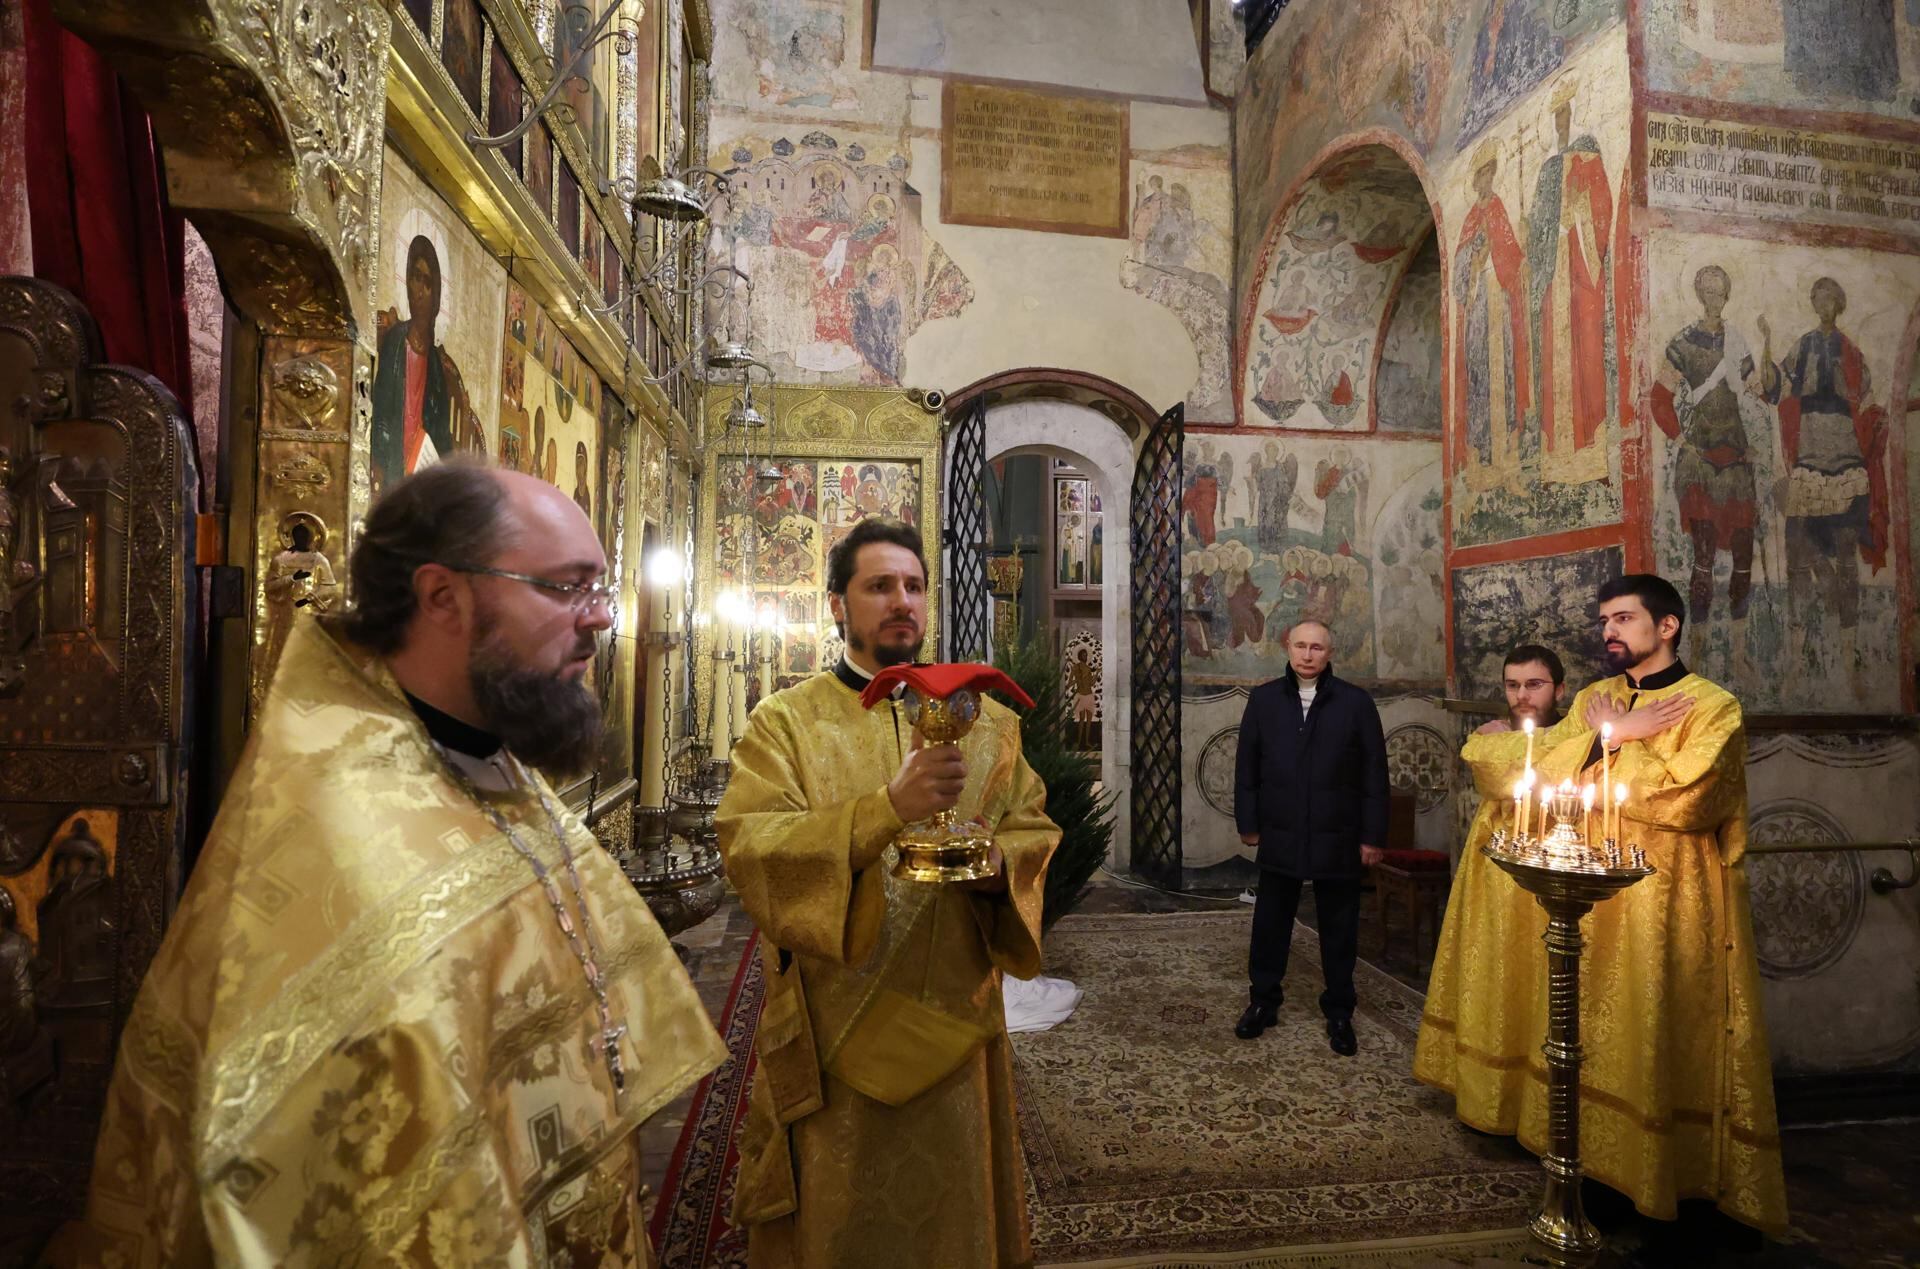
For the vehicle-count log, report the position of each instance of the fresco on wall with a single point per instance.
(1548, 600)
(439, 298)
(793, 521)
(843, 272)
(1226, 47)
(800, 55)
(1438, 74)
(1345, 531)
(1309, 357)
(1178, 256)
(1815, 54)
(550, 400)
(1774, 502)
(1411, 380)
(1536, 375)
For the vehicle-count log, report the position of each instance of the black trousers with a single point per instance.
(1338, 903)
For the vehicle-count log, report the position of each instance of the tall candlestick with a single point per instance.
(1606, 783)
(1519, 808)
(1619, 796)
(1526, 725)
(1586, 816)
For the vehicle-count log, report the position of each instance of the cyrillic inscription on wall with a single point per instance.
(1779, 173)
(1031, 160)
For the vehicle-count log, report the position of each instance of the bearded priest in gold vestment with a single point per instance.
(881, 1127)
(1676, 1096)
(1480, 1026)
(408, 1011)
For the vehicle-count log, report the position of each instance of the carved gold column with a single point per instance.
(271, 114)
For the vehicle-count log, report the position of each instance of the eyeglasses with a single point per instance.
(580, 596)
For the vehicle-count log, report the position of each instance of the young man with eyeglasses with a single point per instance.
(408, 1007)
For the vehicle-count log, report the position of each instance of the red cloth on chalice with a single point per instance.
(941, 681)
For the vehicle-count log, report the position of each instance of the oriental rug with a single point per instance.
(692, 1228)
(1154, 1135)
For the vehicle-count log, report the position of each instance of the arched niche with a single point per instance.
(1327, 501)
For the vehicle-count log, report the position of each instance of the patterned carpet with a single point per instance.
(690, 1226)
(1152, 1131)
(1154, 1137)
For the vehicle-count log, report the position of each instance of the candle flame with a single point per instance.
(1526, 725)
(1606, 731)
(1586, 797)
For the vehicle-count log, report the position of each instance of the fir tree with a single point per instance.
(1048, 736)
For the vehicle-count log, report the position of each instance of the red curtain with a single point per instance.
(96, 196)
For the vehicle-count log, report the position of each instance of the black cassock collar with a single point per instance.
(1659, 678)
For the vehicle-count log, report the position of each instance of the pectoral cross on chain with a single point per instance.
(610, 1041)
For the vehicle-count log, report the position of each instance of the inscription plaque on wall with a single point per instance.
(1031, 160)
(1772, 172)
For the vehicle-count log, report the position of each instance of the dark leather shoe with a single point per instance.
(1340, 1037)
(1256, 1019)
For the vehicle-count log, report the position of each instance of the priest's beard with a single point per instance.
(1622, 656)
(546, 721)
(882, 655)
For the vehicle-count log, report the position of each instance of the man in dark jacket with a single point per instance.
(1310, 790)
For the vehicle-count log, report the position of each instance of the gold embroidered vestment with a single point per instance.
(1482, 1022)
(365, 1038)
(881, 1128)
(1676, 1095)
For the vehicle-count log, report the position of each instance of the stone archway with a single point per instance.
(1095, 425)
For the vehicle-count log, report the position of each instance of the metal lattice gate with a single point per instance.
(1154, 548)
(966, 538)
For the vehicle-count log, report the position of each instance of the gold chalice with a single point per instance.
(943, 703)
(943, 849)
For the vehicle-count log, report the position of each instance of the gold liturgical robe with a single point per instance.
(1676, 1096)
(881, 1128)
(1483, 1021)
(365, 1038)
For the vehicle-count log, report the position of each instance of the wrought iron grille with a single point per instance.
(966, 538)
(1154, 550)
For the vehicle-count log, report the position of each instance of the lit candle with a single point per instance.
(1519, 808)
(1606, 766)
(1619, 797)
(1546, 802)
(1526, 725)
(1586, 816)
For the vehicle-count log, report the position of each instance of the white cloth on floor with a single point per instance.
(1038, 1004)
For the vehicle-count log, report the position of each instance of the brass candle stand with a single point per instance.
(1568, 876)
(682, 887)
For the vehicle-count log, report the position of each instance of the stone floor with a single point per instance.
(1850, 1186)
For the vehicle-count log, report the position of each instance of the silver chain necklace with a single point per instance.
(588, 954)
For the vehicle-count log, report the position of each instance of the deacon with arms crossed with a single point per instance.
(1481, 1023)
(881, 1129)
(409, 1010)
(1677, 1090)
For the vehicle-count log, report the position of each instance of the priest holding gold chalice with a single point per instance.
(891, 843)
